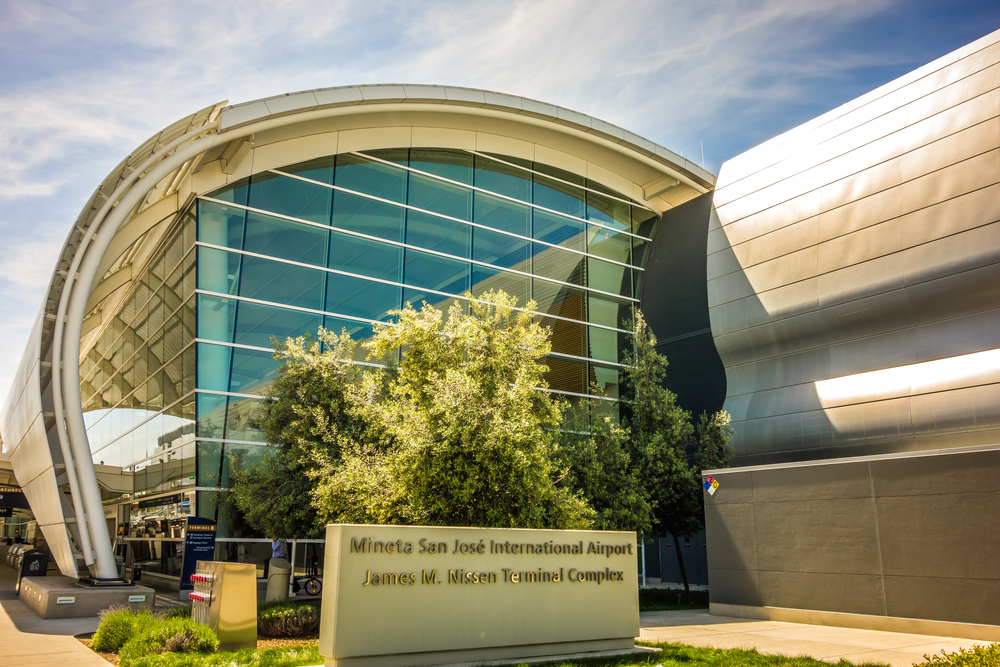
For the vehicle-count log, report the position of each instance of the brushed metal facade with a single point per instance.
(854, 272)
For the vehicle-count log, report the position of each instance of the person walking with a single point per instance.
(277, 551)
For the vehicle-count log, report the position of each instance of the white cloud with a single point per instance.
(82, 83)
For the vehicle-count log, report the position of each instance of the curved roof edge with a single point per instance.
(238, 115)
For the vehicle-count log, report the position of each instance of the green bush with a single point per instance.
(977, 656)
(180, 611)
(175, 635)
(285, 619)
(118, 625)
(133, 633)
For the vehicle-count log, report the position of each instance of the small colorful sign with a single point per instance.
(711, 485)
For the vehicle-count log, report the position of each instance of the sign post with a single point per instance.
(199, 544)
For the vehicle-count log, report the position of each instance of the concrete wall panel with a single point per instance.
(910, 536)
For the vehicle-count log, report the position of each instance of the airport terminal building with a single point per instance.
(834, 289)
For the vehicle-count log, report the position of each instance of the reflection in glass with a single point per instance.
(291, 196)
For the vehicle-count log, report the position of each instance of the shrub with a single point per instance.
(178, 635)
(118, 625)
(977, 656)
(286, 620)
(180, 611)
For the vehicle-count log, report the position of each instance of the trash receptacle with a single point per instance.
(132, 573)
(278, 574)
(34, 563)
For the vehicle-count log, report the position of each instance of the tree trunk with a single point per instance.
(684, 575)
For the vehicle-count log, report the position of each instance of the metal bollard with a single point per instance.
(278, 572)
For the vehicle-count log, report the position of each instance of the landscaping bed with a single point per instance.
(287, 637)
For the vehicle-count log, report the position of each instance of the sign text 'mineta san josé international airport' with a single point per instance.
(425, 595)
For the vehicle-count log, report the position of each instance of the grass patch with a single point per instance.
(247, 657)
(671, 599)
(680, 655)
(977, 656)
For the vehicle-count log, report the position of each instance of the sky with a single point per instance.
(84, 82)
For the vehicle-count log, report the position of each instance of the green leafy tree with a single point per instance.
(596, 456)
(307, 416)
(666, 448)
(470, 439)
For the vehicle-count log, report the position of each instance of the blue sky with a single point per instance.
(82, 83)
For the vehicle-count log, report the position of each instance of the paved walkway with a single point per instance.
(26, 639)
(699, 628)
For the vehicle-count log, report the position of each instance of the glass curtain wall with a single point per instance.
(137, 388)
(341, 241)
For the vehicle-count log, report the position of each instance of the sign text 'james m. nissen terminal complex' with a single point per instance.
(835, 289)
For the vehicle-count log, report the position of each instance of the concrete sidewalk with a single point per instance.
(26, 639)
(699, 628)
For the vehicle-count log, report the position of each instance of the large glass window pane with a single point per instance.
(431, 194)
(417, 299)
(604, 381)
(367, 216)
(555, 263)
(604, 345)
(566, 375)
(485, 279)
(291, 196)
(189, 362)
(213, 366)
(253, 371)
(172, 381)
(602, 310)
(559, 300)
(256, 324)
(243, 457)
(435, 273)
(209, 464)
(371, 178)
(280, 283)
(502, 214)
(454, 165)
(368, 258)
(559, 196)
(567, 337)
(218, 271)
(434, 233)
(559, 230)
(609, 277)
(502, 179)
(320, 169)
(286, 240)
(608, 211)
(234, 192)
(211, 415)
(241, 416)
(500, 250)
(357, 297)
(215, 318)
(172, 337)
(220, 225)
(608, 244)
